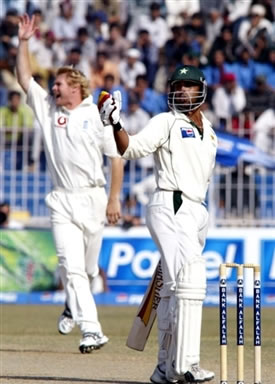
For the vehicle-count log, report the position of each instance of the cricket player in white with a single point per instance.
(75, 141)
(184, 146)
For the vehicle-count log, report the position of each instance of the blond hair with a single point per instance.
(76, 77)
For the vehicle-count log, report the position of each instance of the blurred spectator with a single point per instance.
(226, 43)
(149, 54)
(153, 23)
(269, 9)
(176, 45)
(97, 25)
(66, 25)
(214, 71)
(135, 119)
(151, 101)
(258, 99)
(46, 52)
(266, 68)
(7, 66)
(237, 10)
(40, 23)
(102, 67)
(77, 61)
(209, 114)
(8, 29)
(116, 45)
(52, 53)
(86, 44)
(110, 8)
(163, 74)
(131, 212)
(264, 131)
(15, 5)
(260, 48)
(228, 100)
(143, 189)
(5, 219)
(196, 31)
(244, 68)
(253, 25)
(236, 193)
(213, 26)
(131, 67)
(179, 11)
(110, 86)
(16, 122)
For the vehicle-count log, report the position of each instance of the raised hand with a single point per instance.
(109, 108)
(26, 27)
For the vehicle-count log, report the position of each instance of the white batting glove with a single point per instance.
(109, 108)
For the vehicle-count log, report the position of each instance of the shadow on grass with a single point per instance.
(37, 351)
(67, 380)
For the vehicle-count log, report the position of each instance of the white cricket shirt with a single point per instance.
(183, 161)
(74, 140)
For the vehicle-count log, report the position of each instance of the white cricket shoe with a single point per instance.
(91, 341)
(158, 376)
(65, 324)
(196, 374)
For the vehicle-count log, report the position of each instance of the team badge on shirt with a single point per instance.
(187, 132)
(61, 122)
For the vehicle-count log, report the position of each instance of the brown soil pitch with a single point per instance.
(33, 352)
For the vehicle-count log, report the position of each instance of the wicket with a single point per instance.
(240, 322)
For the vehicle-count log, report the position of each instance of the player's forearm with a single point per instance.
(122, 140)
(23, 67)
(116, 178)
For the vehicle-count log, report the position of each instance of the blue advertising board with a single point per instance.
(128, 263)
(129, 259)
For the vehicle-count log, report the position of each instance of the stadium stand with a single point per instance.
(233, 45)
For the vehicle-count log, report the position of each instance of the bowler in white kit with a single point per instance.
(184, 146)
(75, 141)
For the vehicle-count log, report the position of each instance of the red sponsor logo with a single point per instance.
(62, 121)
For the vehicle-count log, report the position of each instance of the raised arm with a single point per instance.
(23, 68)
(109, 108)
(114, 208)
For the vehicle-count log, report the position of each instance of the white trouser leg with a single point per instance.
(180, 237)
(70, 250)
(77, 223)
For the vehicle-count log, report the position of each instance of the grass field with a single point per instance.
(32, 351)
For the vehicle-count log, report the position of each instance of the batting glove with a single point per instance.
(109, 108)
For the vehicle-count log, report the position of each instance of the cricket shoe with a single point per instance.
(65, 324)
(196, 374)
(92, 341)
(158, 376)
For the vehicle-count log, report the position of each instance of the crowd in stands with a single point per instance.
(134, 45)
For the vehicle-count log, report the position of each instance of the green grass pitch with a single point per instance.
(33, 352)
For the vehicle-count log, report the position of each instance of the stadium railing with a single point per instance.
(243, 195)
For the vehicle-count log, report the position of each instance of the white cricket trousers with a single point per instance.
(77, 219)
(179, 230)
(180, 237)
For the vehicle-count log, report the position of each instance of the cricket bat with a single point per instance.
(146, 313)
